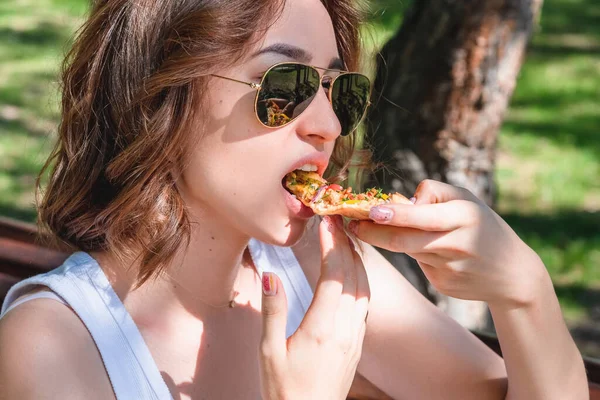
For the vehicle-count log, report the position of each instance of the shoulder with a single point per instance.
(47, 352)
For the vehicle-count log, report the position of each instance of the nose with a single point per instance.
(318, 121)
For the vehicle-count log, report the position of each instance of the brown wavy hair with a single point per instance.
(132, 86)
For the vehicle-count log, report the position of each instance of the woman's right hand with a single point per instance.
(319, 360)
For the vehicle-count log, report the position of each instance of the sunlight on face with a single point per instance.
(236, 171)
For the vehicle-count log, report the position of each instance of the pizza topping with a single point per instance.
(330, 198)
(320, 193)
(304, 184)
(309, 187)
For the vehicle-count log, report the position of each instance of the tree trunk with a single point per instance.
(442, 87)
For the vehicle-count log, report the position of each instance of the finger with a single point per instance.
(274, 315)
(397, 239)
(432, 192)
(443, 280)
(428, 217)
(346, 310)
(363, 293)
(432, 259)
(335, 258)
(430, 272)
(358, 346)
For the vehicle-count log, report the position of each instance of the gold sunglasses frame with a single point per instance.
(258, 87)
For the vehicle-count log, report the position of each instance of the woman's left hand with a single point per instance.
(464, 248)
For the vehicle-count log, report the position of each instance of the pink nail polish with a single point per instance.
(269, 284)
(413, 199)
(381, 214)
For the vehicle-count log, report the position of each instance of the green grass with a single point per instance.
(34, 34)
(549, 161)
(549, 153)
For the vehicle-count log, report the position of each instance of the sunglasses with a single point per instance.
(287, 89)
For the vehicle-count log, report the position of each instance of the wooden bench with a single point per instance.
(21, 257)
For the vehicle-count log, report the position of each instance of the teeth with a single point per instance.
(308, 168)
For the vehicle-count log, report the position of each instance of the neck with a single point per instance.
(209, 271)
(215, 268)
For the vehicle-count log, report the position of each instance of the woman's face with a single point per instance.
(236, 170)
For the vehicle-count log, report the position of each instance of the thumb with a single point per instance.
(274, 312)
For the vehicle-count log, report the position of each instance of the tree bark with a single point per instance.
(442, 88)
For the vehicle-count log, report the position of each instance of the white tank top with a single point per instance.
(81, 284)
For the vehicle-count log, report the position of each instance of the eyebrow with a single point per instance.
(298, 54)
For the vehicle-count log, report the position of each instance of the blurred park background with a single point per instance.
(548, 166)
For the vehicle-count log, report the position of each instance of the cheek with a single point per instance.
(220, 176)
(235, 174)
(244, 193)
(231, 116)
(232, 175)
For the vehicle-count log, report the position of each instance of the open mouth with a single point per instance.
(295, 203)
(283, 181)
(304, 185)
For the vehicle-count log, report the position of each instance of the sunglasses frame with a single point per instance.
(258, 87)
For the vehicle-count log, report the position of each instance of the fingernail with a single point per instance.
(413, 200)
(269, 284)
(353, 227)
(381, 214)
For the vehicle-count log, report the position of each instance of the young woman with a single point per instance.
(179, 122)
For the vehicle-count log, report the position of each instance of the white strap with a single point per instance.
(82, 284)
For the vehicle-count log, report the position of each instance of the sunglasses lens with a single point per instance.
(286, 91)
(350, 98)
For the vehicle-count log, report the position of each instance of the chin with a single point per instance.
(286, 234)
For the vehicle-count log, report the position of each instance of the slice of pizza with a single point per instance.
(326, 198)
